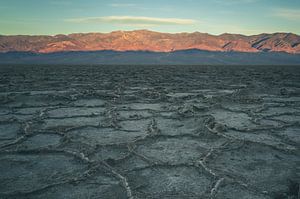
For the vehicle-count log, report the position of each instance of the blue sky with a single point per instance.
(212, 16)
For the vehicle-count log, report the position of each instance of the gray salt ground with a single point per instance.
(149, 132)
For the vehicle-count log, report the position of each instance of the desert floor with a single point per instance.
(149, 132)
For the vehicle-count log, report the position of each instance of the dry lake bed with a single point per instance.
(150, 132)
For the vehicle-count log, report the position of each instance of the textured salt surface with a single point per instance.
(150, 132)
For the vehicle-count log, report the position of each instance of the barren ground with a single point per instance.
(150, 132)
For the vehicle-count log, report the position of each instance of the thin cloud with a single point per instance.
(289, 14)
(231, 2)
(131, 20)
(122, 5)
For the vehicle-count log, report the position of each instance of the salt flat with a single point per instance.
(149, 132)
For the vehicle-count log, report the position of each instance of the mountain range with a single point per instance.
(145, 40)
(148, 47)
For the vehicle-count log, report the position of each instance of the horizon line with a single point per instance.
(135, 30)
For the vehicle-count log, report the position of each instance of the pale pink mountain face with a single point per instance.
(144, 40)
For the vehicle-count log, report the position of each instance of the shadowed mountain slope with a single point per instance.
(183, 57)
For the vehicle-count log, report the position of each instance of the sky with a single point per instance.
(51, 17)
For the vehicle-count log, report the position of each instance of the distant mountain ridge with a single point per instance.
(145, 40)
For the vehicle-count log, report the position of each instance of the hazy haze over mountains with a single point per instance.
(145, 40)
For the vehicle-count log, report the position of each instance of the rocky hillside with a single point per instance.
(144, 40)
